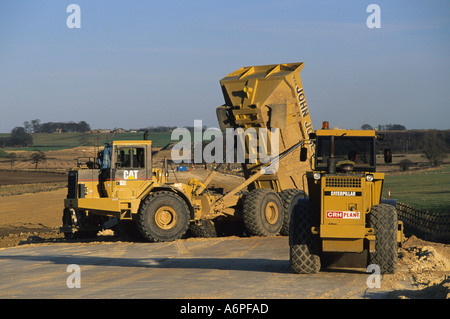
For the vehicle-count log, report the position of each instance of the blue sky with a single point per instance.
(139, 63)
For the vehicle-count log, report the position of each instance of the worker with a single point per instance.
(353, 156)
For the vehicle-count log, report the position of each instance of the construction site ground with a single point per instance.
(34, 259)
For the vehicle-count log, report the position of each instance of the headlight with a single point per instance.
(316, 176)
(369, 177)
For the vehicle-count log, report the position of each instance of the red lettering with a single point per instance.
(333, 214)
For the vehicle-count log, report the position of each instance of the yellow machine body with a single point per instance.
(345, 197)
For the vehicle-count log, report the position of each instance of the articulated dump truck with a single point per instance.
(121, 189)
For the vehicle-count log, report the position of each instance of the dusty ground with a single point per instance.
(426, 266)
(194, 268)
(423, 272)
(28, 217)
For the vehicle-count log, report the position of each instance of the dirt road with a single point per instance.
(228, 267)
(194, 268)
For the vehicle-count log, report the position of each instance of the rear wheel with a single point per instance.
(383, 219)
(304, 246)
(263, 213)
(164, 216)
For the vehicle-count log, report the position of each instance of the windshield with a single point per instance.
(106, 162)
(359, 150)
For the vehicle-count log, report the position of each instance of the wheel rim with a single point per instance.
(166, 217)
(271, 213)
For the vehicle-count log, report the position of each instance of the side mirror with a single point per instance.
(303, 154)
(312, 136)
(387, 155)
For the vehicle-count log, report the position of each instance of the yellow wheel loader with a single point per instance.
(344, 213)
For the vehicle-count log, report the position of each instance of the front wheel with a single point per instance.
(303, 244)
(383, 219)
(164, 216)
(78, 225)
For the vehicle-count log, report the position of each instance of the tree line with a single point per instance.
(434, 144)
(385, 127)
(35, 126)
(21, 135)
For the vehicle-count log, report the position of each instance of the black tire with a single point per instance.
(304, 246)
(163, 216)
(289, 197)
(67, 221)
(263, 213)
(206, 229)
(88, 227)
(383, 219)
(128, 231)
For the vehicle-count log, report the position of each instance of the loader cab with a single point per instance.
(344, 160)
(126, 168)
(343, 152)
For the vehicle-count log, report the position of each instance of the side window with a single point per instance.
(131, 158)
(138, 158)
(123, 158)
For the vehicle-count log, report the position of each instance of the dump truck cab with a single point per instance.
(344, 212)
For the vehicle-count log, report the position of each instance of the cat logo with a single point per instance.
(130, 174)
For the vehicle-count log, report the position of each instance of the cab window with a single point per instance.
(359, 150)
(131, 157)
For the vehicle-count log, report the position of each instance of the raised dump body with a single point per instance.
(269, 96)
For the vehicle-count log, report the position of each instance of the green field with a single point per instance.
(428, 191)
(50, 141)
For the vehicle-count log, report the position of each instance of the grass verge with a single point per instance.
(426, 190)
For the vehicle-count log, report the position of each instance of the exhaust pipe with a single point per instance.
(331, 160)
